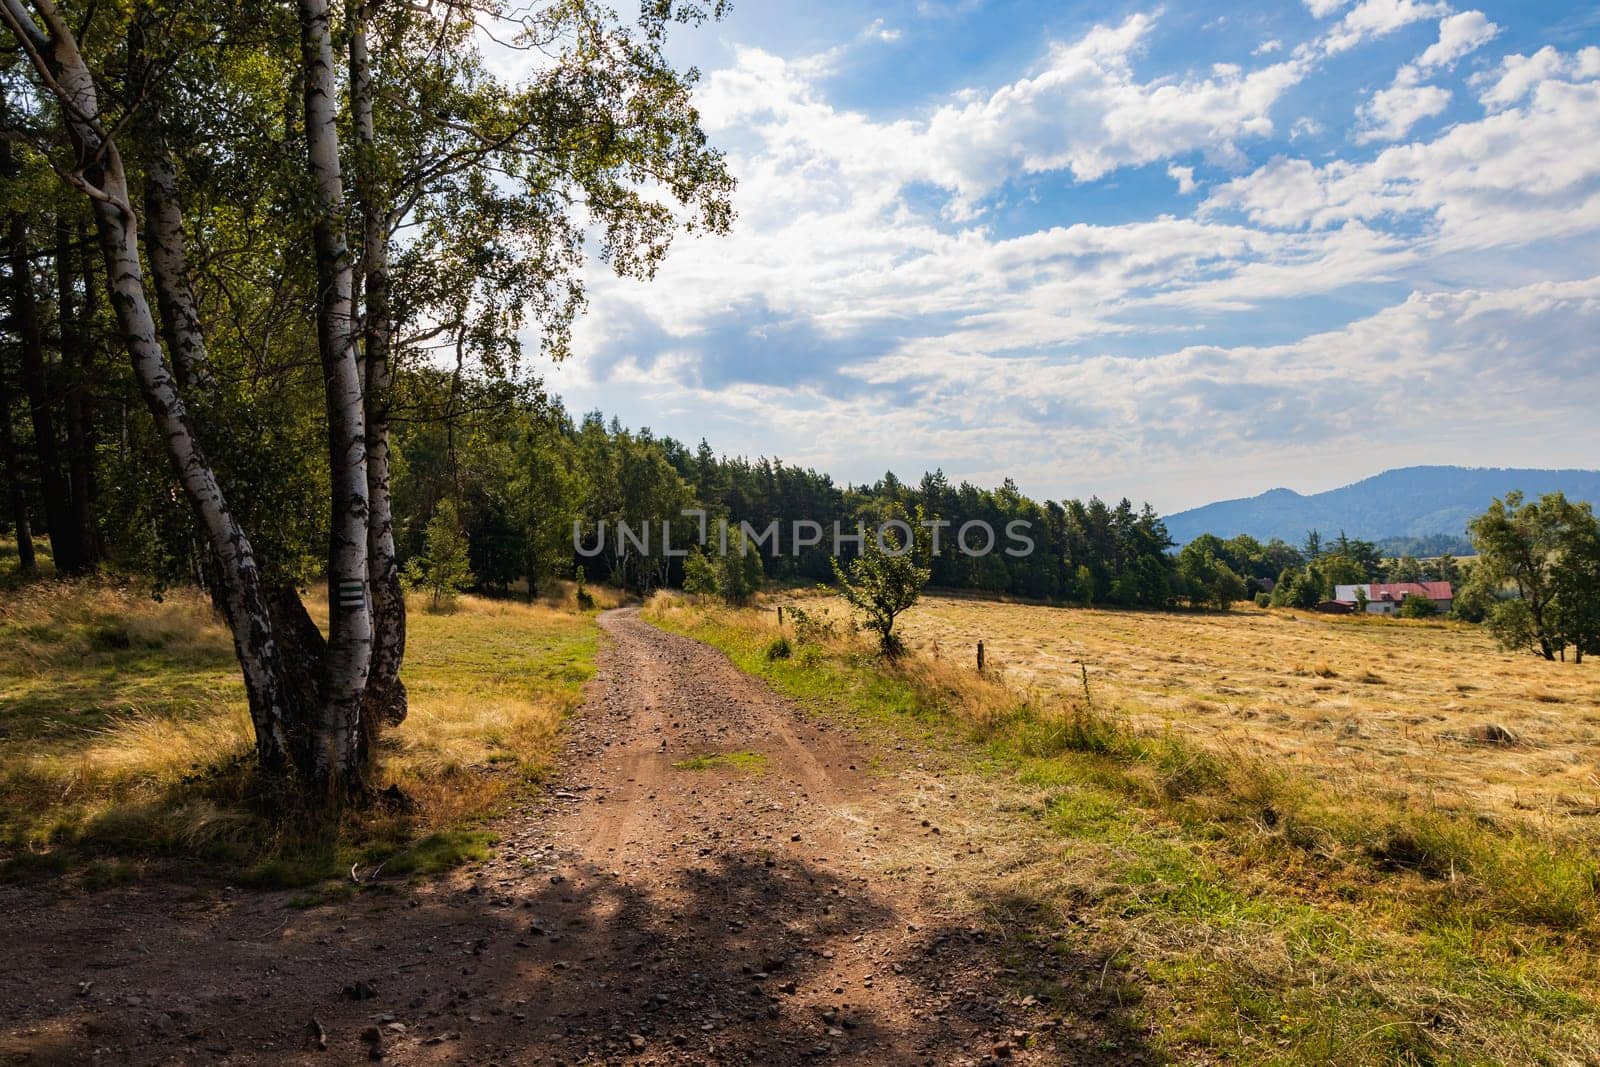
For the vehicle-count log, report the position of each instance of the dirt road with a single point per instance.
(788, 902)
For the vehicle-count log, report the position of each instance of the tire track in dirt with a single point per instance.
(636, 912)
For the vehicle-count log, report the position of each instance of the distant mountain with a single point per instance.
(1412, 502)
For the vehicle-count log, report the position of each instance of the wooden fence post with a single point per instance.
(980, 657)
(780, 616)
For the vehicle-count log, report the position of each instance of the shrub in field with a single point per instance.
(699, 575)
(811, 628)
(886, 579)
(779, 648)
(738, 572)
(445, 571)
(1417, 607)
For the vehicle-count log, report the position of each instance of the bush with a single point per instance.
(779, 648)
(1417, 607)
(885, 579)
(810, 628)
(585, 598)
(1263, 600)
(699, 575)
(739, 571)
(445, 571)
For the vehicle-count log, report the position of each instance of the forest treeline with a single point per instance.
(517, 492)
(520, 482)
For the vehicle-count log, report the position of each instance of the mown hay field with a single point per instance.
(1251, 913)
(1373, 707)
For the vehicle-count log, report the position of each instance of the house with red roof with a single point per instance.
(1384, 598)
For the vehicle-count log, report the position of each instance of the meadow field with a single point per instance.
(1368, 705)
(125, 737)
(1304, 894)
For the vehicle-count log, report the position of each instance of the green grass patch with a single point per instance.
(746, 762)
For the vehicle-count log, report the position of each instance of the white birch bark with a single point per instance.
(167, 249)
(54, 53)
(349, 652)
(386, 694)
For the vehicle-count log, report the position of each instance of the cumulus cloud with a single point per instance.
(1376, 18)
(1304, 126)
(1083, 111)
(1459, 34)
(1184, 176)
(1519, 75)
(1512, 177)
(1390, 113)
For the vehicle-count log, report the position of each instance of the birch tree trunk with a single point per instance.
(386, 694)
(166, 247)
(277, 716)
(339, 756)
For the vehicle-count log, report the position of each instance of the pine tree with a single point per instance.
(446, 570)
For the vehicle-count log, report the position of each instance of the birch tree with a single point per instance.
(384, 197)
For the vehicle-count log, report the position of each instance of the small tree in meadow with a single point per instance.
(887, 578)
(445, 571)
(1207, 579)
(739, 572)
(699, 573)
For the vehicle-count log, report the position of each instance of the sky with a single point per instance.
(1144, 250)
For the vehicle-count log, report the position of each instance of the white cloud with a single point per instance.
(1184, 176)
(1390, 113)
(1304, 126)
(879, 30)
(1083, 112)
(1323, 8)
(1459, 35)
(1516, 176)
(1376, 18)
(1267, 47)
(1518, 75)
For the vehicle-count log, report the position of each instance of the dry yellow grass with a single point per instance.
(124, 728)
(1372, 707)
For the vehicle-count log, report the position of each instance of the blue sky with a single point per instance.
(1139, 249)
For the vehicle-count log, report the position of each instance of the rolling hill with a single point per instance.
(1406, 502)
